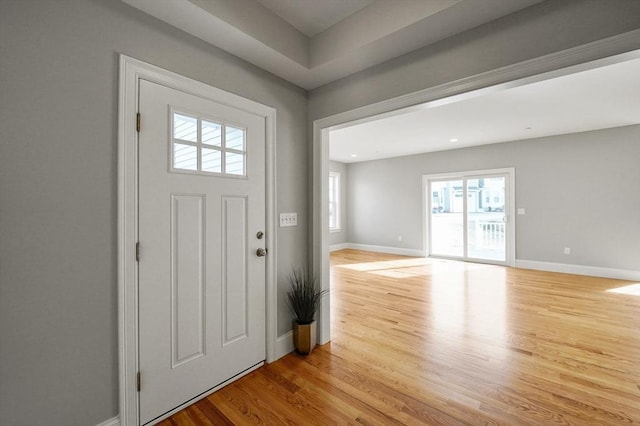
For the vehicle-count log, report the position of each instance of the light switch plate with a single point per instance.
(521, 211)
(288, 219)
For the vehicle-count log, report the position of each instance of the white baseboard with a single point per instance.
(284, 344)
(385, 249)
(336, 247)
(620, 274)
(111, 422)
(594, 271)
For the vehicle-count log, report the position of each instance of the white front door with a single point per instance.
(201, 281)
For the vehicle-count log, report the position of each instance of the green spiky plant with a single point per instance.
(304, 298)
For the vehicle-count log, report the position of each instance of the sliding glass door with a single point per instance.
(467, 216)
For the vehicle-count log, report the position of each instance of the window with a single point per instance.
(204, 146)
(334, 201)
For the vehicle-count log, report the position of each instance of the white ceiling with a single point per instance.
(599, 98)
(314, 16)
(314, 42)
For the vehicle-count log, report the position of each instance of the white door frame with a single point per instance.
(509, 210)
(611, 50)
(131, 72)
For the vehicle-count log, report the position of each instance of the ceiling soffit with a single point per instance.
(313, 16)
(374, 34)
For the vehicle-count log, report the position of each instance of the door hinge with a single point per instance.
(138, 251)
(138, 381)
(138, 122)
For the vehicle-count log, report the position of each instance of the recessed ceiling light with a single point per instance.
(354, 155)
(453, 140)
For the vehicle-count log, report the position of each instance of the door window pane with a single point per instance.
(235, 138)
(211, 160)
(185, 157)
(211, 133)
(234, 163)
(486, 225)
(447, 236)
(185, 127)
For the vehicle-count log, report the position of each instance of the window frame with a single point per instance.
(200, 145)
(334, 197)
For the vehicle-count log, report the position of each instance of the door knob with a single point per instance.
(261, 252)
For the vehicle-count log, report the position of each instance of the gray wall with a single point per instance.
(58, 193)
(539, 30)
(340, 237)
(579, 190)
(58, 160)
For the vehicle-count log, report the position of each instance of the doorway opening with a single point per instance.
(571, 61)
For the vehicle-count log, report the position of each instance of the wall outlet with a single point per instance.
(521, 211)
(399, 237)
(288, 219)
(567, 250)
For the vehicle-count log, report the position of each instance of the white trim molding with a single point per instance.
(132, 71)
(619, 48)
(284, 344)
(385, 249)
(342, 246)
(566, 268)
(115, 421)
(593, 271)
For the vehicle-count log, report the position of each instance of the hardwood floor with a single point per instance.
(422, 341)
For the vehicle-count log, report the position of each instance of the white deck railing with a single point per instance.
(490, 234)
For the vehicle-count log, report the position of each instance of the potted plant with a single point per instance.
(304, 301)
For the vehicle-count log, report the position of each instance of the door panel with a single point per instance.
(234, 268)
(201, 285)
(187, 280)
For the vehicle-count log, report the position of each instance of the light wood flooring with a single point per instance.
(423, 341)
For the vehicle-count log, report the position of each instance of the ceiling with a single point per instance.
(598, 98)
(314, 42)
(311, 17)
